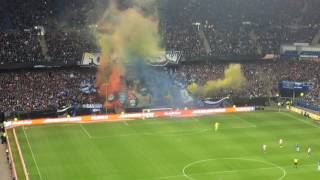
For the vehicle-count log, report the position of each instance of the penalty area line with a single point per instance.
(195, 119)
(240, 118)
(85, 131)
(171, 133)
(125, 123)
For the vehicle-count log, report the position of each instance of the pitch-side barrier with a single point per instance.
(126, 116)
(313, 115)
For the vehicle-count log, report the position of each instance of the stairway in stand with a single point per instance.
(204, 40)
(44, 47)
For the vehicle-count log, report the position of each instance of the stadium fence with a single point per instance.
(126, 116)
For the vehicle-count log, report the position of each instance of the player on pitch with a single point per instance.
(295, 162)
(264, 148)
(309, 151)
(216, 126)
(281, 143)
(297, 147)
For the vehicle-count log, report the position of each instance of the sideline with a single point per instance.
(20, 155)
(32, 154)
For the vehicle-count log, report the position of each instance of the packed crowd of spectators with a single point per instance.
(19, 47)
(24, 46)
(44, 89)
(185, 39)
(262, 77)
(180, 31)
(243, 28)
(21, 14)
(68, 46)
(232, 27)
(63, 23)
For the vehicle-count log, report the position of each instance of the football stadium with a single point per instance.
(159, 90)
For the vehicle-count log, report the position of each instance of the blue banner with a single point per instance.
(212, 104)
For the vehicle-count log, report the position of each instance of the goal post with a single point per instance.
(146, 112)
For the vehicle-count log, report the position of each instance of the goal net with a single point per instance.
(149, 113)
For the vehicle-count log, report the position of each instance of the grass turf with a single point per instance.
(14, 151)
(174, 149)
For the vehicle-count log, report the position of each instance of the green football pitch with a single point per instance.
(174, 149)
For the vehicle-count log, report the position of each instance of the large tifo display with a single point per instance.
(168, 57)
(126, 116)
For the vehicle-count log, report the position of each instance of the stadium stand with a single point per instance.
(29, 90)
(19, 47)
(42, 44)
(241, 29)
(68, 46)
(246, 28)
(232, 29)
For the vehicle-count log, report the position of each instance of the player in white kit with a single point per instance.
(309, 151)
(281, 143)
(297, 147)
(264, 148)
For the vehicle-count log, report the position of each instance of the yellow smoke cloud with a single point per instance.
(128, 34)
(193, 88)
(233, 79)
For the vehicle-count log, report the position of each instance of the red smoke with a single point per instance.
(110, 83)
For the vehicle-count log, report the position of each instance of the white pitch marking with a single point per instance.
(218, 172)
(195, 119)
(152, 134)
(125, 123)
(162, 177)
(86, 131)
(169, 133)
(32, 154)
(254, 160)
(251, 124)
(214, 172)
(299, 119)
(249, 127)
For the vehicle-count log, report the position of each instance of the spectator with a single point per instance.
(40, 90)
